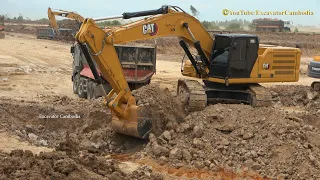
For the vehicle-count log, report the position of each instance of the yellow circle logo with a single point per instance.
(225, 12)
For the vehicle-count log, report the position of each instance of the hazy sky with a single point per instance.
(209, 9)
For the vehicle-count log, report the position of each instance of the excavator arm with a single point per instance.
(127, 118)
(62, 13)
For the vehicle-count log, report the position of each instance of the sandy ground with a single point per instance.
(33, 70)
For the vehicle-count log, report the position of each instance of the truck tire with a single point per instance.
(82, 88)
(90, 90)
(75, 83)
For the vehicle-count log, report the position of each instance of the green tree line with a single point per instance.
(22, 19)
(234, 24)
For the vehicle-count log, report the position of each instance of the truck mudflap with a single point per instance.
(86, 72)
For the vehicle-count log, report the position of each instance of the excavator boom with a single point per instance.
(62, 13)
(127, 118)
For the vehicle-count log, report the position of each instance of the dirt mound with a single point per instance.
(301, 102)
(235, 138)
(165, 110)
(86, 123)
(48, 124)
(296, 95)
(56, 165)
(241, 137)
(22, 28)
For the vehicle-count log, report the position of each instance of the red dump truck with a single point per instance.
(138, 64)
(271, 25)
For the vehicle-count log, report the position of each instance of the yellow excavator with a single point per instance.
(63, 13)
(230, 65)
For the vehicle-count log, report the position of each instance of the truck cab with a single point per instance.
(287, 25)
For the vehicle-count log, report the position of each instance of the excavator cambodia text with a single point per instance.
(230, 65)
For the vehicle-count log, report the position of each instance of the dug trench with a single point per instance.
(226, 141)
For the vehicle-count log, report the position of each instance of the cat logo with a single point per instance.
(151, 29)
(265, 66)
(64, 14)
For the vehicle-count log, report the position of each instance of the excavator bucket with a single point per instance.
(138, 124)
(127, 117)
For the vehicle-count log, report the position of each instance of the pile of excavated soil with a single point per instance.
(81, 134)
(165, 110)
(57, 165)
(239, 137)
(48, 123)
(297, 95)
(300, 101)
(87, 123)
(21, 28)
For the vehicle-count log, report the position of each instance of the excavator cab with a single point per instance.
(233, 55)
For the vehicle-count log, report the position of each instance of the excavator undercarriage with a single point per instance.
(196, 96)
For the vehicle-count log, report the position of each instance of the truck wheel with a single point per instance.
(82, 89)
(90, 90)
(76, 83)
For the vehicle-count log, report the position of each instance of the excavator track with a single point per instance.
(192, 94)
(261, 96)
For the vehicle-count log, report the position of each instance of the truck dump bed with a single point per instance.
(138, 62)
(45, 33)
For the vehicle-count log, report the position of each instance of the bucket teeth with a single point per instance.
(139, 126)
